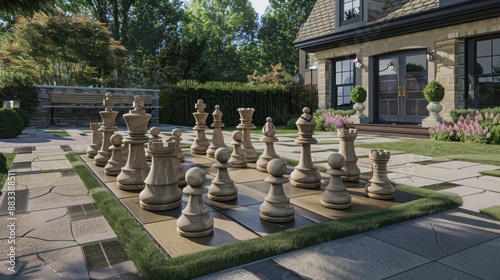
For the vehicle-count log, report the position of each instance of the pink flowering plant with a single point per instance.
(321, 117)
(334, 122)
(475, 127)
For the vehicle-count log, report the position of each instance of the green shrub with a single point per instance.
(11, 124)
(291, 123)
(24, 89)
(24, 115)
(358, 94)
(455, 114)
(434, 91)
(320, 124)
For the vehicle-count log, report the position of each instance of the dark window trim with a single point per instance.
(341, 25)
(443, 3)
(428, 20)
(334, 101)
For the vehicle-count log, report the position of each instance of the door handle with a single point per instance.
(402, 91)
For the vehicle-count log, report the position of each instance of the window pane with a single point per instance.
(483, 48)
(346, 65)
(485, 91)
(338, 78)
(496, 91)
(496, 65)
(338, 66)
(416, 63)
(483, 66)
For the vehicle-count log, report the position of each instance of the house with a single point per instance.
(393, 48)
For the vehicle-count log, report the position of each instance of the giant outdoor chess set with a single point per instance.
(206, 196)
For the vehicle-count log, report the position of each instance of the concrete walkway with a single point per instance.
(60, 234)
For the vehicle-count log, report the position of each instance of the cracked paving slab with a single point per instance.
(440, 235)
(66, 263)
(91, 230)
(57, 196)
(41, 231)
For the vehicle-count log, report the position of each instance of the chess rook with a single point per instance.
(379, 186)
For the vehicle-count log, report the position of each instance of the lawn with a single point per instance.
(442, 150)
(280, 129)
(5, 164)
(60, 133)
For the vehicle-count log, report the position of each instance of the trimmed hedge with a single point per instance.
(24, 115)
(279, 102)
(455, 114)
(11, 124)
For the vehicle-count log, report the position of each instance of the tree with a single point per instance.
(26, 7)
(228, 27)
(61, 50)
(280, 24)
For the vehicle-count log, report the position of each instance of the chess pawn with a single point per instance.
(117, 161)
(178, 167)
(222, 187)
(269, 131)
(335, 195)
(195, 220)
(161, 191)
(177, 133)
(96, 139)
(276, 206)
(155, 132)
(237, 159)
(379, 186)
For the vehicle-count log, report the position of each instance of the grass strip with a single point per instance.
(152, 264)
(6, 161)
(493, 211)
(280, 129)
(442, 150)
(495, 173)
(60, 133)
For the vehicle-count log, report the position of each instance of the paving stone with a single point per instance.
(246, 196)
(119, 193)
(51, 165)
(411, 180)
(121, 271)
(91, 230)
(233, 274)
(41, 231)
(225, 231)
(476, 202)
(462, 191)
(57, 196)
(454, 164)
(433, 270)
(440, 235)
(354, 257)
(290, 191)
(434, 173)
(41, 156)
(65, 263)
(480, 261)
(271, 270)
(483, 182)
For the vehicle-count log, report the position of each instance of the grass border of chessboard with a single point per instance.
(152, 264)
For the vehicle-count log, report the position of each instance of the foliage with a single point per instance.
(23, 88)
(11, 124)
(228, 28)
(321, 115)
(5, 164)
(290, 124)
(473, 128)
(434, 91)
(358, 94)
(278, 29)
(27, 7)
(269, 100)
(24, 116)
(455, 114)
(61, 50)
(334, 122)
(278, 75)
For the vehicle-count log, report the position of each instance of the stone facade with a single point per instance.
(448, 67)
(80, 116)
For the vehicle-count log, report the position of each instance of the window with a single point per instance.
(487, 72)
(343, 82)
(351, 11)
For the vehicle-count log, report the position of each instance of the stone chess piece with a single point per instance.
(237, 159)
(246, 125)
(161, 191)
(117, 161)
(335, 195)
(305, 175)
(107, 129)
(276, 206)
(195, 220)
(269, 138)
(222, 187)
(200, 143)
(346, 149)
(178, 167)
(176, 134)
(96, 139)
(155, 132)
(136, 170)
(379, 186)
(217, 137)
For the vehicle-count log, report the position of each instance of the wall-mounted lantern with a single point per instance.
(357, 63)
(430, 54)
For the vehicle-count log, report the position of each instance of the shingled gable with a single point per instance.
(321, 21)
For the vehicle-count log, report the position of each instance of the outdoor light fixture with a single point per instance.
(390, 66)
(430, 54)
(357, 63)
(11, 102)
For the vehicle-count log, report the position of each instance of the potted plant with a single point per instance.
(358, 96)
(434, 93)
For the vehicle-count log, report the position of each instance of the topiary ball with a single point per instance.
(11, 124)
(434, 91)
(24, 115)
(358, 94)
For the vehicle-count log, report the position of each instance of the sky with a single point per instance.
(259, 5)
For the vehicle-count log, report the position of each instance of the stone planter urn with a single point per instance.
(346, 149)
(434, 117)
(434, 93)
(359, 117)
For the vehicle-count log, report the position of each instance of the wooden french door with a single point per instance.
(401, 79)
